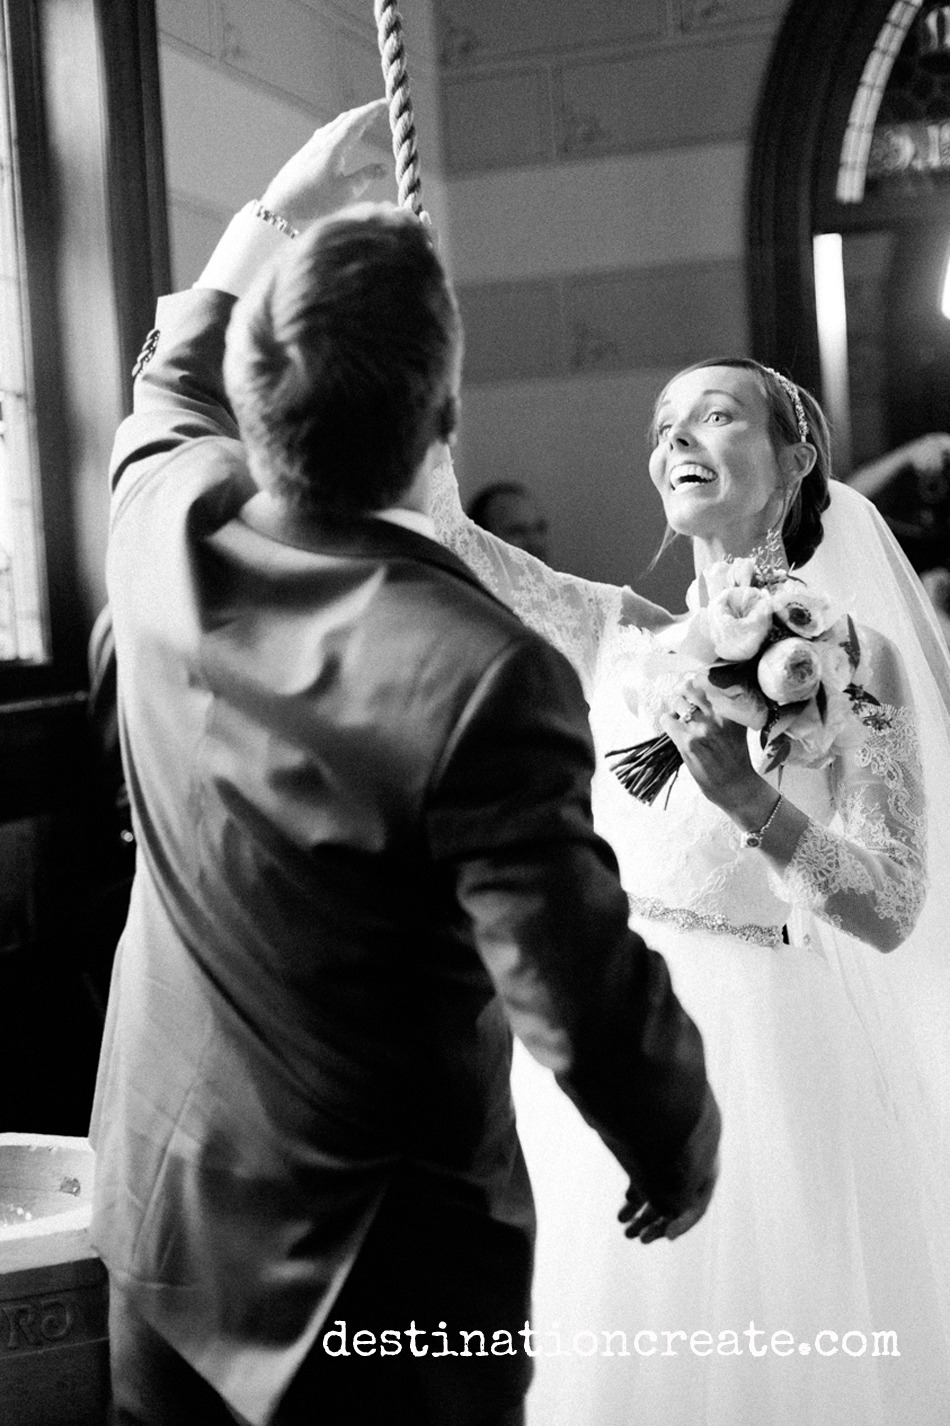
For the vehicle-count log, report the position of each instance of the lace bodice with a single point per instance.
(860, 862)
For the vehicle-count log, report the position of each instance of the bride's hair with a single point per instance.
(801, 528)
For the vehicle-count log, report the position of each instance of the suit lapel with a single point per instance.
(365, 538)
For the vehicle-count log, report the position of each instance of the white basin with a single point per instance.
(46, 1183)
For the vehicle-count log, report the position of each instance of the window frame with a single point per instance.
(121, 195)
(127, 188)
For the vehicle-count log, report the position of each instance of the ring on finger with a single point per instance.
(691, 710)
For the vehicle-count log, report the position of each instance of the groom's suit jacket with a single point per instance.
(360, 793)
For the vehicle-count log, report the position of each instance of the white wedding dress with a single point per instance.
(825, 1232)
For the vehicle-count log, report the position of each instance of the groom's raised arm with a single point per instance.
(510, 811)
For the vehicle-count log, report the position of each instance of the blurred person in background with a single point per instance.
(508, 509)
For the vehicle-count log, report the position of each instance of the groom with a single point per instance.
(360, 795)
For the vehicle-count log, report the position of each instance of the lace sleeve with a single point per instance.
(570, 612)
(869, 878)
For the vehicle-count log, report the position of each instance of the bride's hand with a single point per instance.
(715, 751)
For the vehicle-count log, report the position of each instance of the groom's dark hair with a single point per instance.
(342, 362)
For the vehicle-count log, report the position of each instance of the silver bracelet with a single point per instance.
(754, 838)
(275, 220)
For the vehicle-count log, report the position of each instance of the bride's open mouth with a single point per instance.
(691, 473)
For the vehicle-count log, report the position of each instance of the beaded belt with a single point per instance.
(687, 920)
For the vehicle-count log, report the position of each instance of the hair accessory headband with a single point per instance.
(791, 391)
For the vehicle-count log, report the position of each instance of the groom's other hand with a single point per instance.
(645, 1222)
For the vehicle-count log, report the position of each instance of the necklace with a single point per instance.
(768, 556)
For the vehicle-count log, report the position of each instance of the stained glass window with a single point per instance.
(898, 134)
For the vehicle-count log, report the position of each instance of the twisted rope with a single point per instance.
(393, 56)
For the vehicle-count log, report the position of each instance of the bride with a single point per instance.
(816, 1290)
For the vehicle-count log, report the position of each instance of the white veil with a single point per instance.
(903, 998)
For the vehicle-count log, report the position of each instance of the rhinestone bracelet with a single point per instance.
(275, 220)
(754, 838)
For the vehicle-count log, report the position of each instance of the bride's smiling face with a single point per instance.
(713, 459)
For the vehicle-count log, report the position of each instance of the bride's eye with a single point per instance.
(717, 417)
(662, 429)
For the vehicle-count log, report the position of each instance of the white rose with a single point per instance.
(653, 678)
(695, 640)
(738, 703)
(836, 670)
(789, 671)
(722, 575)
(810, 738)
(738, 621)
(816, 740)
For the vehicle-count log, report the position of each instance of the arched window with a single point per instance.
(859, 135)
(849, 215)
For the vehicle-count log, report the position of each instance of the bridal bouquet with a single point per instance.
(775, 656)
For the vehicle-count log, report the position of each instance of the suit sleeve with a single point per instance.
(510, 812)
(178, 395)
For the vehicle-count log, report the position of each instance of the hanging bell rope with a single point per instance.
(396, 75)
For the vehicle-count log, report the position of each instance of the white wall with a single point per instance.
(597, 163)
(244, 84)
(586, 168)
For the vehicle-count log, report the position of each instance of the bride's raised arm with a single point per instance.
(570, 612)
